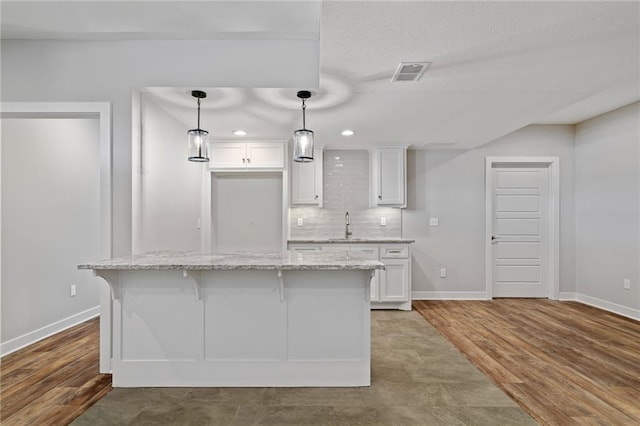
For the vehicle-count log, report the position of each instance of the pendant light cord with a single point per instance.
(304, 107)
(198, 113)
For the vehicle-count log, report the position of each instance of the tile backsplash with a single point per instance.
(346, 188)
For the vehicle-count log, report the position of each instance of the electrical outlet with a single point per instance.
(383, 221)
(72, 290)
(443, 272)
(198, 223)
(627, 284)
(433, 221)
(300, 221)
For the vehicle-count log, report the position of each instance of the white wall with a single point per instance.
(607, 197)
(171, 185)
(246, 211)
(50, 222)
(449, 184)
(43, 70)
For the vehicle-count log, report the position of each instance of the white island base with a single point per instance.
(240, 327)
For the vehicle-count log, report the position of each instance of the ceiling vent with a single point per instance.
(410, 71)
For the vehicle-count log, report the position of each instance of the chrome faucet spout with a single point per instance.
(347, 222)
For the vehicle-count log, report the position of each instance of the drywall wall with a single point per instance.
(345, 188)
(58, 70)
(607, 197)
(246, 211)
(171, 186)
(449, 185)
(50, 223)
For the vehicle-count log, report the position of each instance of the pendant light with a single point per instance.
(303, 138)
(198, 138)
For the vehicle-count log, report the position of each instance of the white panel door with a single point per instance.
(520, 232)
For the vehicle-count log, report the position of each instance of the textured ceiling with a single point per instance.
(495, 66)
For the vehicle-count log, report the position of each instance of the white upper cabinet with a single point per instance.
(265, 155)
(389, 177)
(246, 156)
(306, 181)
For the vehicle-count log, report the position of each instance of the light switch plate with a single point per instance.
(383, 221)
(433, 221)
(627, 284)
(300, 221)
(443, 273)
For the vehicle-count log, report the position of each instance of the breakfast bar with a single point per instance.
(240, 319)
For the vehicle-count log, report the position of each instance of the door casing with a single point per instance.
(553, 165)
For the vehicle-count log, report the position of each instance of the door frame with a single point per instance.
(553, 165)
(101, 110)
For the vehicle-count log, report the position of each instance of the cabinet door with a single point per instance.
(394, 281)
(391, 179)
(265, 155)
(373, 254)
(227, 156)
(306, 181)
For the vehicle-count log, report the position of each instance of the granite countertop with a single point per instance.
(259, 260)
(353, 241)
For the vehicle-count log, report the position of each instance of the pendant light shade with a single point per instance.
(303, 138)
(198, 139)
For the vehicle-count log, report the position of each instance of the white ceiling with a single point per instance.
(495, 66)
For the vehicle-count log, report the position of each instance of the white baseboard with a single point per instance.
(563, 296)
(609, 306)
(46, 331)
(448, 295)
(567, 296)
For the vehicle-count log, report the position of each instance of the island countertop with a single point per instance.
(259, 260)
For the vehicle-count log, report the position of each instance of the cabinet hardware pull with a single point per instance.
(316, 197)
(395, 251)
(244, 160)
(248, 160)
(380, 197)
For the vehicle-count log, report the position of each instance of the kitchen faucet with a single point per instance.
(347, 222)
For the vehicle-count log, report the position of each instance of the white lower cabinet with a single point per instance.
(393, 280)
(373, 253)
(391, 287)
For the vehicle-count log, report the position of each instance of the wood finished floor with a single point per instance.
(564, 363)
(54, 380)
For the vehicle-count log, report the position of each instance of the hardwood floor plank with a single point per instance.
(576, 364)
(53, 381)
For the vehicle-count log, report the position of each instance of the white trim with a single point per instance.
(553, 164)
(567, 296)
(601, 304)
(609, 306)
(449, 295)
(103, 111)
(136, 167)
(48, 330)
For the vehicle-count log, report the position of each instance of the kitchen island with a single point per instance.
(240, 319)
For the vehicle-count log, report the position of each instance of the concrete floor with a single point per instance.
(418, 378)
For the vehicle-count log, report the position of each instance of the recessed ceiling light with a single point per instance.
(240, 133)
(347, 132)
